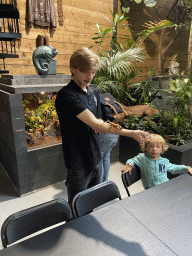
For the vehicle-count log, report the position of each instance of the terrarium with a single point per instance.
(41, 121)
(30, 139)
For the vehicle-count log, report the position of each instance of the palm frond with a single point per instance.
(122, 62)
(104, 84)
(154, 26)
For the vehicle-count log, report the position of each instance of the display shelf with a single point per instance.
(9, 36)
(9, 30)
(3, 71)
(8, 55)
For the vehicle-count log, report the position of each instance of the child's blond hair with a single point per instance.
(156, 138)
(84, 59)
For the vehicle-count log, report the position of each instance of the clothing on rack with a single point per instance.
(42, 13)
(60, 12)
(42, 40)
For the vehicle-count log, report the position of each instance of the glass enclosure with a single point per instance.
(41, 121)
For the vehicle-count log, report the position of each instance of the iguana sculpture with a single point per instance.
(43, 57)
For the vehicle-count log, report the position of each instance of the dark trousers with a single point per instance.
(79, 180)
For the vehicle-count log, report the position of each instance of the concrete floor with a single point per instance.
(10, 203)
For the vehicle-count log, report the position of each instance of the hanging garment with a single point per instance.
(42, 40)
(42, 13)
(60, 12)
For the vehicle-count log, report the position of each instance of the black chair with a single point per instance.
(29, 221)
(89, 199)
(128, 180)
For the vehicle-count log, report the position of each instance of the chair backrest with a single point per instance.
(29, 221)
(89, 199)
(128, 180)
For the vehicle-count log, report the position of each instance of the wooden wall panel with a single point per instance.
(79, 26)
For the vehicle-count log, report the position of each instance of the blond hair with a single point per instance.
(155, 138)
(84, 59)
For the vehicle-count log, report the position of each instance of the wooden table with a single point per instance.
(111, 230)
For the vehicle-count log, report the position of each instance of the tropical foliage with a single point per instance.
(126, 4)
(118, 68)
(174, 126)
(182, 16)
(118, 65)
(121, 63)
(153, 26)
(40, 117)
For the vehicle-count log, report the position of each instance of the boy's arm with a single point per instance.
(97, 124)
(190, 170)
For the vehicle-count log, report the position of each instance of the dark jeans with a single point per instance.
(78, 180)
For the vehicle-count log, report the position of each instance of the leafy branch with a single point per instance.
(154, 26)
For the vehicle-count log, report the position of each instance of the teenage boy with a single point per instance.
(79, 111)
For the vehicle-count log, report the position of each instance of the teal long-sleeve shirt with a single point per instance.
(154, 172)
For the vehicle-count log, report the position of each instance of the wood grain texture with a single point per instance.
(79, 26)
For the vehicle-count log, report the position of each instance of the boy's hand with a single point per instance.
(126, 168)
(140, 136)
(190, 170)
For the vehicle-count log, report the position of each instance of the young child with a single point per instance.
(153, 167)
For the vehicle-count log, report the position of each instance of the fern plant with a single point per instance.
(121, 63)
(115, 72)
(118, 65)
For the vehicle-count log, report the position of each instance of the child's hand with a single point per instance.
(127, 168)
(190, 170)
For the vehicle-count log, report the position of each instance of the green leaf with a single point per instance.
(186, 107)
(153, 27)
(150, 3)
(126, 10)
(176, 122)
(107, 30)
(96, 38)
(188, 94)
(98, 27)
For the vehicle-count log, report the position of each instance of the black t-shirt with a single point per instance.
(81, 145)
